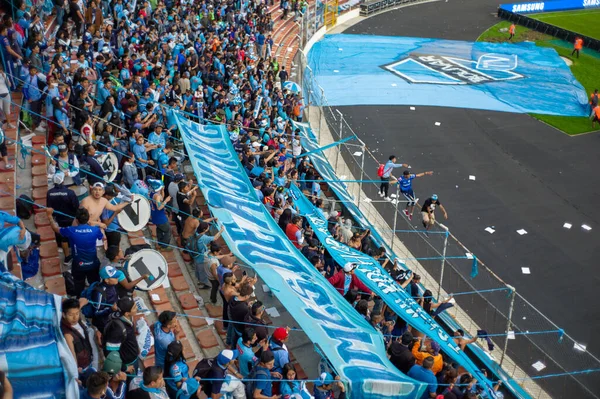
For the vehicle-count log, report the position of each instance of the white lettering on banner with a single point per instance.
(528, 7)
(345, 338)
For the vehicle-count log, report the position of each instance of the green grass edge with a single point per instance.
(586, 70)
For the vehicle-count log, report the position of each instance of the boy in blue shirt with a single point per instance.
(405, 182)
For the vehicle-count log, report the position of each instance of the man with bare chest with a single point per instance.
(95, 203)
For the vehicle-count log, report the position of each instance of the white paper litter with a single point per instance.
(437, 124)
(290, 49)
(586, 227)
(266, 288)
(579, 347)
(335, 71)
(525, 270)
(567, 225)
(394, 85)
(357, 154)
(511, 335)
(272, 312)
(471, 177)
(469, 255)
(539, 366)
(522, 231)
(210, 321)
(155, 297)
(488, 229)
(412, 108)
(366, 199)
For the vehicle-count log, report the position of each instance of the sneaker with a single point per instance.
(381, 194)
(406, 212)
(387, 198)
(203, 286)
(68, 260)
(9, 166)
(410, 217)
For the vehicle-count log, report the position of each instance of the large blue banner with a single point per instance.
(325, 169)
(382, 70)
(379, 281)
(354, 348)
(532, 7)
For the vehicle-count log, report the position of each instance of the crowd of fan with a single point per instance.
(110, 80)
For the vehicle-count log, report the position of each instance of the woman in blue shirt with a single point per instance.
(176, 369)
(289, 386)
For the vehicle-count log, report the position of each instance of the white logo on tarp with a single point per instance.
(529, 7)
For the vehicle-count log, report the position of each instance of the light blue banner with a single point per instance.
(379, 281)
(325, 169)
(531, 7)
(383, 70)
(352, 346)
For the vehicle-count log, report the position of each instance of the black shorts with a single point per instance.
(3, 149)
(595, 119)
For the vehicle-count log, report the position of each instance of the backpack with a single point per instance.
(89, 310)
(201, 370)
(380, 170)
(24, 207)
(250, 384)
(195, 250)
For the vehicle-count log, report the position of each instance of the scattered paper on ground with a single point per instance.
(539, 366)
(210, 321)
(412, 108)
(586, 227)
(266, 288)
(471, 177)
(155, 297)
(567, 225)
(489, 229)
(437, 124)
(579, 347)
(357, 154)
(511, 335)
(469, 255)
(525, 270)
(522, 231)
(272, 312)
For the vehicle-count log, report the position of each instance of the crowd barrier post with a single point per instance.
(363, 149)
(443, 260)
(321, 117)
(337, 154)
(395, 215)
(513, 293)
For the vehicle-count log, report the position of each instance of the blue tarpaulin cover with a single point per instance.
(382, 70)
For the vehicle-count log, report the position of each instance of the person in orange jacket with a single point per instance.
(577, 46)
(595, 116)
(433, 350)
(511, 31)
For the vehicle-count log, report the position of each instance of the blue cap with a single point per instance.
(324, 379)
(434, 197)
(227, 356)
(155, 184)
(111, 272)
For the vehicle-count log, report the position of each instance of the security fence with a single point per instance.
(522, 337)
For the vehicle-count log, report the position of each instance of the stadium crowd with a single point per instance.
(110, 81)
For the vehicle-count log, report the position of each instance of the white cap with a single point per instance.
(348, 267)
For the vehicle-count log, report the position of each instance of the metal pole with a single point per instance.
(443, 261)
(395, 214)
(337, 154)
(509, 321)
(320, 106)
(362, 174)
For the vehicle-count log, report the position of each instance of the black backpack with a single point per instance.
(24, 207)
(202, 370)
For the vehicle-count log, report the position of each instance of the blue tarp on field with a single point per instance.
(382, 70)
(352, 346)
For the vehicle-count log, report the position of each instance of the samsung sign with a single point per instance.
(546, 6)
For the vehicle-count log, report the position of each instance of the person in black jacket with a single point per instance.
(238, 311)
(76, 334)
(119, 335)
(400, 354)
(65, 203)
(96, 172)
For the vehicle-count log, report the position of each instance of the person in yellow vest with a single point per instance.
(577, 46)
(511, 31)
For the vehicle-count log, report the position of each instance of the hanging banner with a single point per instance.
(354, 348)
(379, 281)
